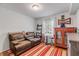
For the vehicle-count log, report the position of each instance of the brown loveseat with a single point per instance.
(20, 41)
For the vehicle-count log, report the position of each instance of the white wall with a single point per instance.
(77, 20)
(58, 16)
(75, 23)
(11, 21)
(73, 18)
(43, 20)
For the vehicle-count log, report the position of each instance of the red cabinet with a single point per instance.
(61, 37)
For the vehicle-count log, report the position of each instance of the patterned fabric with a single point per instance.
(44, 50)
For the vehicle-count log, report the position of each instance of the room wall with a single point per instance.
(11, 21)
(67, 15)
(77, 20)
(56, 17)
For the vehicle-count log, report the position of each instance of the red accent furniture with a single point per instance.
(61, 37)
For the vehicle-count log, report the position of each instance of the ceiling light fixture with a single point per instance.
(35, 6)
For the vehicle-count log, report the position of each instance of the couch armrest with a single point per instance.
(12, 47)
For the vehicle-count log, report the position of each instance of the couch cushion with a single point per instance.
(35, 39)
(29, 37)
(18, 36)
(23, 44)
(17, 41)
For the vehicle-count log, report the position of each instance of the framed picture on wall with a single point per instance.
(65, 21)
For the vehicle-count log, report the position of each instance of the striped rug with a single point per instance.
(45, 50)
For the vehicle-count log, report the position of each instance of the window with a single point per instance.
(49, 26)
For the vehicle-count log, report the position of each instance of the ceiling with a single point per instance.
(45, 8)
